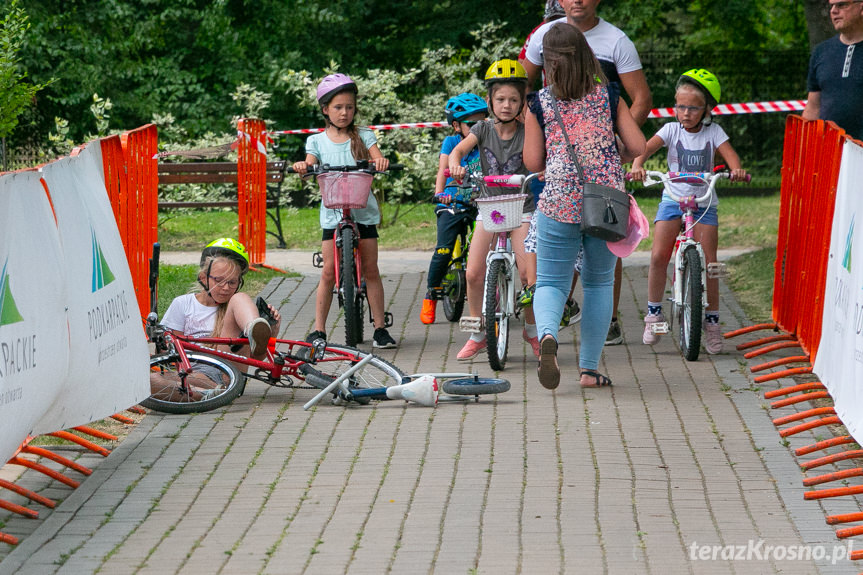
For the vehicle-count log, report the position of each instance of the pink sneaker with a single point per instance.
(533, 341)
(650, 338)
(712, 338)
(470, 350)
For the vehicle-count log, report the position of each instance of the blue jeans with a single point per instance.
(557, 248)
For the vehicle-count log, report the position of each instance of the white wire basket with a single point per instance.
(501, 213)
(345, 190)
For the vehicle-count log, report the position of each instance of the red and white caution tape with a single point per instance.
(376, 127)
(720, 110)
(743, 108)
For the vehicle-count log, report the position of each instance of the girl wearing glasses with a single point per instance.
(692, 142)
(219, 309)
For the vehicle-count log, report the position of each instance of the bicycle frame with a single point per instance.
(272, 370)
(348, 222)
(502, 246)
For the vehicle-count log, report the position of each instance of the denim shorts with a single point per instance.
(668, 211)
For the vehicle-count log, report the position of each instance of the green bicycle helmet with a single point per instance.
(705, 81)
(229, 248)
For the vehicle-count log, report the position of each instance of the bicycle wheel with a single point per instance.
(349, 290)
(212, 383)
(691, 310)
(475, 386)
(497, 299)
(454, 292)
(338, 359)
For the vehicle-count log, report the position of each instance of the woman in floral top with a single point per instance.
(591, 113)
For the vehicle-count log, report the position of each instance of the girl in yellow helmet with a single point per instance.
(500, 141)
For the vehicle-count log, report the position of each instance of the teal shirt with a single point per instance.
(329, 152)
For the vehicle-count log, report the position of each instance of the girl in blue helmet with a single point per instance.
(454, 212)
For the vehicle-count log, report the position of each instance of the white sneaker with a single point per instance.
(258, 331)
(713, 338)
(649, 337)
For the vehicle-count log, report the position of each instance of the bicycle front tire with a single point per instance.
(496, 317)
(338, 359)
(350, 290)
(692, 305)
(454, 291)
(475, 386)
(167, 395)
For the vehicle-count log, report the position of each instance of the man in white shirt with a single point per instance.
(614, 50)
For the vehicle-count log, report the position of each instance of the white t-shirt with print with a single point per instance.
(691, 152)
(189, 316)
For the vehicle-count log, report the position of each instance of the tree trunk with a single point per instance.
(4, 163)
(818, 21)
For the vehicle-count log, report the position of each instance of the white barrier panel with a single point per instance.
(108, 361)
(839, 364)
(34, 339)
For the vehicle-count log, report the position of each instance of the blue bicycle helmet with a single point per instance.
(464, 105)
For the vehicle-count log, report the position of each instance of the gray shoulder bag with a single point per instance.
(605, 210)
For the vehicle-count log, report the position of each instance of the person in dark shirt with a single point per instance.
(835, 81)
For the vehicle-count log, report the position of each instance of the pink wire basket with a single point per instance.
(345, 190)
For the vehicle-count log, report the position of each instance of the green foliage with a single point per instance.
(16, 93)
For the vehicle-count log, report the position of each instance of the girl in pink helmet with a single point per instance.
(342, 144)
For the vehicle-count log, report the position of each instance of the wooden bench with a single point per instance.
(223, 173)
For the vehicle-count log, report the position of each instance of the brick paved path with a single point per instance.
(675, 459)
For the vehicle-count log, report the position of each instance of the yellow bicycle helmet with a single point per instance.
(705, 81)
(230, 248)
(505, 70)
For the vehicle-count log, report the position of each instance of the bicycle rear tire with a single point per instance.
(496, 317)
(337, 359)
(170, 399)
(475, 386)
(350, 290)
(692, 305)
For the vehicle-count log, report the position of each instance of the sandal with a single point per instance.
(600, 380)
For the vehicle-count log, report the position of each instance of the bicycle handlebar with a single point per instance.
(665, 178)
(499, 181)
(363, 166)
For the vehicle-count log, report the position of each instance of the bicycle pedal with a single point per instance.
(470, 324)
(659, 327)
(717, 270)
(317, 260)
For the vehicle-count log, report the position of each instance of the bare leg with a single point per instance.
(324, 297)
(664, 233)
(618, 278)
(479, 248)
(374, 284)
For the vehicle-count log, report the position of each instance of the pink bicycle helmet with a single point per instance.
(332, 85)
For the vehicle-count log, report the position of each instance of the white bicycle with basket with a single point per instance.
(500, 215)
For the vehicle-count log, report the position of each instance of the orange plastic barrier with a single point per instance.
(252, 188)
(132, 183)
(810, 173)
